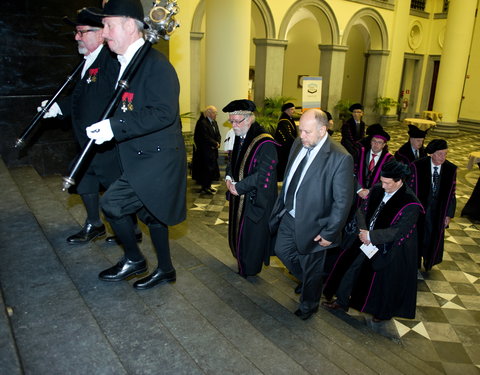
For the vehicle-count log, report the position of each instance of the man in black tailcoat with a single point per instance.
(207, 140)
(434, 181)
(146, 126)
(85, 105)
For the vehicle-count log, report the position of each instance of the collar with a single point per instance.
(130, 52)
(90, 58)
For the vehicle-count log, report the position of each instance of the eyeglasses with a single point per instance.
(236, 122)
(83, 32)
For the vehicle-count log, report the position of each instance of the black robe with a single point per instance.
(387, 283)
(431, 226)
(351, 136)
(253, 166)
(205, 152)
(406, 156)
(285, 136)
(472, 207)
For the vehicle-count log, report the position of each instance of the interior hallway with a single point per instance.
(58, 318)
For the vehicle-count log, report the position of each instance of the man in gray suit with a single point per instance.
(313, 206)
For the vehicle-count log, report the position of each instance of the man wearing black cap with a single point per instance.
(413, 149)
(353, 130)
(252, 188)
(370, 159)
(85, 105)
(146, 126)
(382, 280)
(434, 179)
(285, 135)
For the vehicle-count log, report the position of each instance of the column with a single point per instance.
(332, 65)
(195, 73)
(227, 53)
(374, 82)
(269, 62)
(453, 64)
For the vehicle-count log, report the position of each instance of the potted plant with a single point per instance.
(343, 109)
(268, 115)
(383, 105)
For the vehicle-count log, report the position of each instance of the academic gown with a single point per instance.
(431, 226)
(387, 283)
(406, 156)
(253, 165)
(285, 136)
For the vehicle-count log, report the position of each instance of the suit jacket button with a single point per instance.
(140, 152)
(158, 148)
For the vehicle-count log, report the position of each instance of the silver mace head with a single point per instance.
(161, 20)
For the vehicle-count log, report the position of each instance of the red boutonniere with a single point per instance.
(92, 75)
(127, 99)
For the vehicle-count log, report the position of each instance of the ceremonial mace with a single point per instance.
(21, 141)
(161, 24)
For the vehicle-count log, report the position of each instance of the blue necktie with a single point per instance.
(436, 178)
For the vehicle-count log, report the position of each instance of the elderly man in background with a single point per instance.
(207, 140)
(413, 149)
(285, 135)
(353, 130)
(312, 207)
(252, 188)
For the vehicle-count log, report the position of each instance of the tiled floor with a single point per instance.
(446, 329)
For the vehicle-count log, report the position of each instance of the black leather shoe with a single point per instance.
(157, 277)
(206, 191)
(298, 288)
(114, 239)
(88, 233)
(123, 269)
(334, 305)
(305, 315)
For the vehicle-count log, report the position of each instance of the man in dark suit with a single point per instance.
(353, 130)
(147, 129)
(84, 106)
(413, 149)
(312, 207)
(207, 140)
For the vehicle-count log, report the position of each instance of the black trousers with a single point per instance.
(308, 268)
(120, 203)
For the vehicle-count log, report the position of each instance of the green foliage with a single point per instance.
(342, 108)
(383, 105)
(268, 115)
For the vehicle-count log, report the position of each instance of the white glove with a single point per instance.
(54, 110)
(100, 131)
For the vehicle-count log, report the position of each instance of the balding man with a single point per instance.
(207, 140)
(312, 207)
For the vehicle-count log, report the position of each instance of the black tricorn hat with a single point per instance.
(435, 145)
(240, 105)
(415, 132)
(394, 169)
(355, 106)
(86, 17)
(123, 8)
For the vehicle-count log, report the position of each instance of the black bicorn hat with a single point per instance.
(415, 132)
(435, 145)
(355, 106)
(394, 169)
(240, 106)
(123, 8)
(86, 17)
(287, 106)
